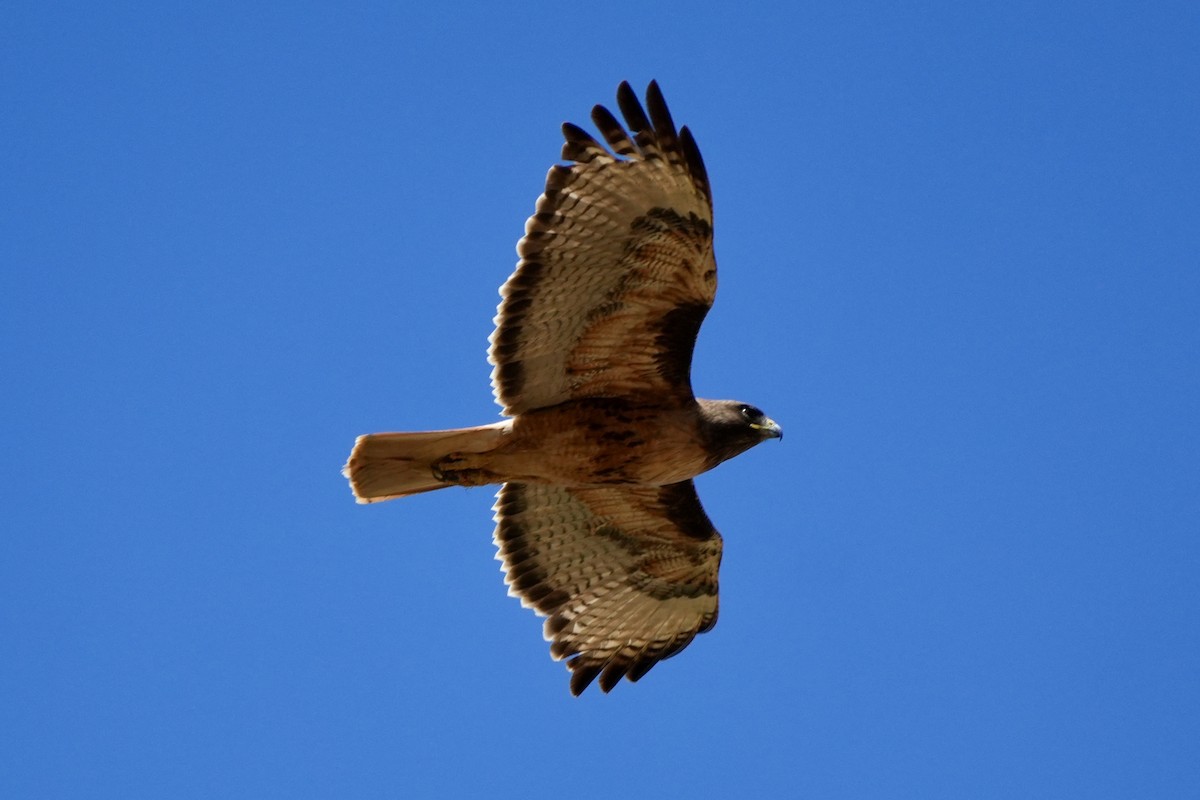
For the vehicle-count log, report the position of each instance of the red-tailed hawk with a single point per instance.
(597, 520)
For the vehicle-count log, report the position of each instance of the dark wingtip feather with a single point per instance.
(641, 667)
(631, 109)
(626, 91)
(579, 145)
(612, 675)
(660, 115)
(582, 674)
(695, 162)
(612, 131)
(574, 133)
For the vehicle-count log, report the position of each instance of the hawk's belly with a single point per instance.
(604, 442)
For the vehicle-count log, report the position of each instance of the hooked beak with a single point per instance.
(769, 429)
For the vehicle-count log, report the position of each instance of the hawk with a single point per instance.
(598, 524)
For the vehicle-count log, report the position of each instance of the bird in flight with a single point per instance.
(598, 524)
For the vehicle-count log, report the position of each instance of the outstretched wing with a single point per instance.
(616, 271)
(627, 576)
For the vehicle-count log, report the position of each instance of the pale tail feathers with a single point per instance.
(383, 466)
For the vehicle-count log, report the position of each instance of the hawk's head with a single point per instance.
(730, 427)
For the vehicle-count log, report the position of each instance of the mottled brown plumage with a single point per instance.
(597, 523)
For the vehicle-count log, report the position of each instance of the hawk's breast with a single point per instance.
(607, 441)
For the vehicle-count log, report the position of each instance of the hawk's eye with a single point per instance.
(751, 413)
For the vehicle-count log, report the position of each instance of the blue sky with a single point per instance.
(959, 263)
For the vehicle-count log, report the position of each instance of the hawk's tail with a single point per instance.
(383, 466)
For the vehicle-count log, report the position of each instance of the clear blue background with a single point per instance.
(959, 246)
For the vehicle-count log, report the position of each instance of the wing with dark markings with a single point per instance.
(626, 576)
(617, 269)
